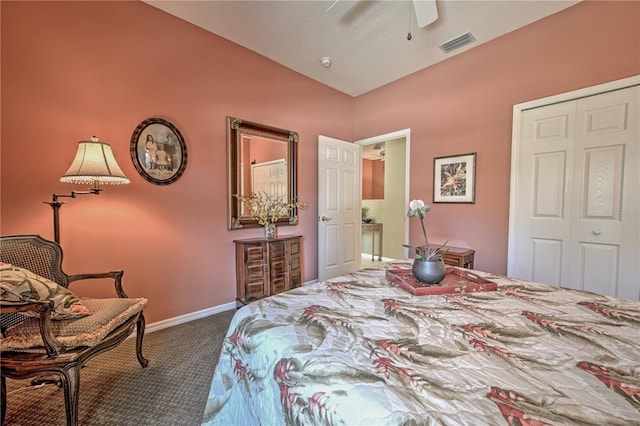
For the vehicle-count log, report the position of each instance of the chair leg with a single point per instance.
(140, 325)
(4, 399)
(71, 385)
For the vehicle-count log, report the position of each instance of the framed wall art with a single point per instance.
(158, 151)
(454, 179)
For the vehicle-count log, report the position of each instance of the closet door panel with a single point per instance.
(602, 182)
(546, 261)
(605, 229)
(598, 268)
(576, 186)
(549, 184)
(542, 213)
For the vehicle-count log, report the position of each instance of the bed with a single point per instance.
(359, 350)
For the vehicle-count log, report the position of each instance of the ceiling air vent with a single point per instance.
(457, 42)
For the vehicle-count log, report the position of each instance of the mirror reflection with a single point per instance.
(263, 168)
(261, 159)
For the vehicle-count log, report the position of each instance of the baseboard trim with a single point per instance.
(170, 322)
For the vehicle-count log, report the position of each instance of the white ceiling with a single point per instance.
(368, 44)
(373, 151)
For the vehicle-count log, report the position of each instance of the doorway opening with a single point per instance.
(385, 196)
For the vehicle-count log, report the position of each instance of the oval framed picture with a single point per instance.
(158, 151)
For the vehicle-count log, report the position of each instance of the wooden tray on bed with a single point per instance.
(456, 281)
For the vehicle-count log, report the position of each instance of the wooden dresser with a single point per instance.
(267, 266)
(457, 256)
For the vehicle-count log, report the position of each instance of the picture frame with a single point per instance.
(158, 151)
(454, 179)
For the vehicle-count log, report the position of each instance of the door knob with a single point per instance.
(596, 232)
(325, 219)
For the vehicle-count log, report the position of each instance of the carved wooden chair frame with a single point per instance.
(44, 258)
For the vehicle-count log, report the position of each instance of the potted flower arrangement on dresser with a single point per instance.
(266, 209)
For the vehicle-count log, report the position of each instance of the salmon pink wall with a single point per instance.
(464, 105)
(103, 67)
(71, 70)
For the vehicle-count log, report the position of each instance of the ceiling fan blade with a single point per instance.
(426, 12)
(339, 8)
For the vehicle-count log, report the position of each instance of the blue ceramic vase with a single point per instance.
(429, 272)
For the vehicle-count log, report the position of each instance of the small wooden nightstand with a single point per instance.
(457, 256)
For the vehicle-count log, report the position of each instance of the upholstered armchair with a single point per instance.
(56, 335)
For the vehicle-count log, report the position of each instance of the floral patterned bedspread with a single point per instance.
(357, 350)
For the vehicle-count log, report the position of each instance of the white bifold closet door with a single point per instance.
(577, 212)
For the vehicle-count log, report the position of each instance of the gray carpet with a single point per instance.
(115, 390)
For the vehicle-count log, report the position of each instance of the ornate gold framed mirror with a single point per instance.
(260, 158)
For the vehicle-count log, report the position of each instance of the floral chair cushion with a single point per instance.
(21, 285)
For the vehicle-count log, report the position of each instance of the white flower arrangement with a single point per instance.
(417, 208)
(266, 208)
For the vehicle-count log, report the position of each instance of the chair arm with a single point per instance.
(44, 310)
(116, 275)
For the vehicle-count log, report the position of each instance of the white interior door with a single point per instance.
(339, 215)
(575, 194)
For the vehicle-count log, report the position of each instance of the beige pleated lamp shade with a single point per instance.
(94, 163)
